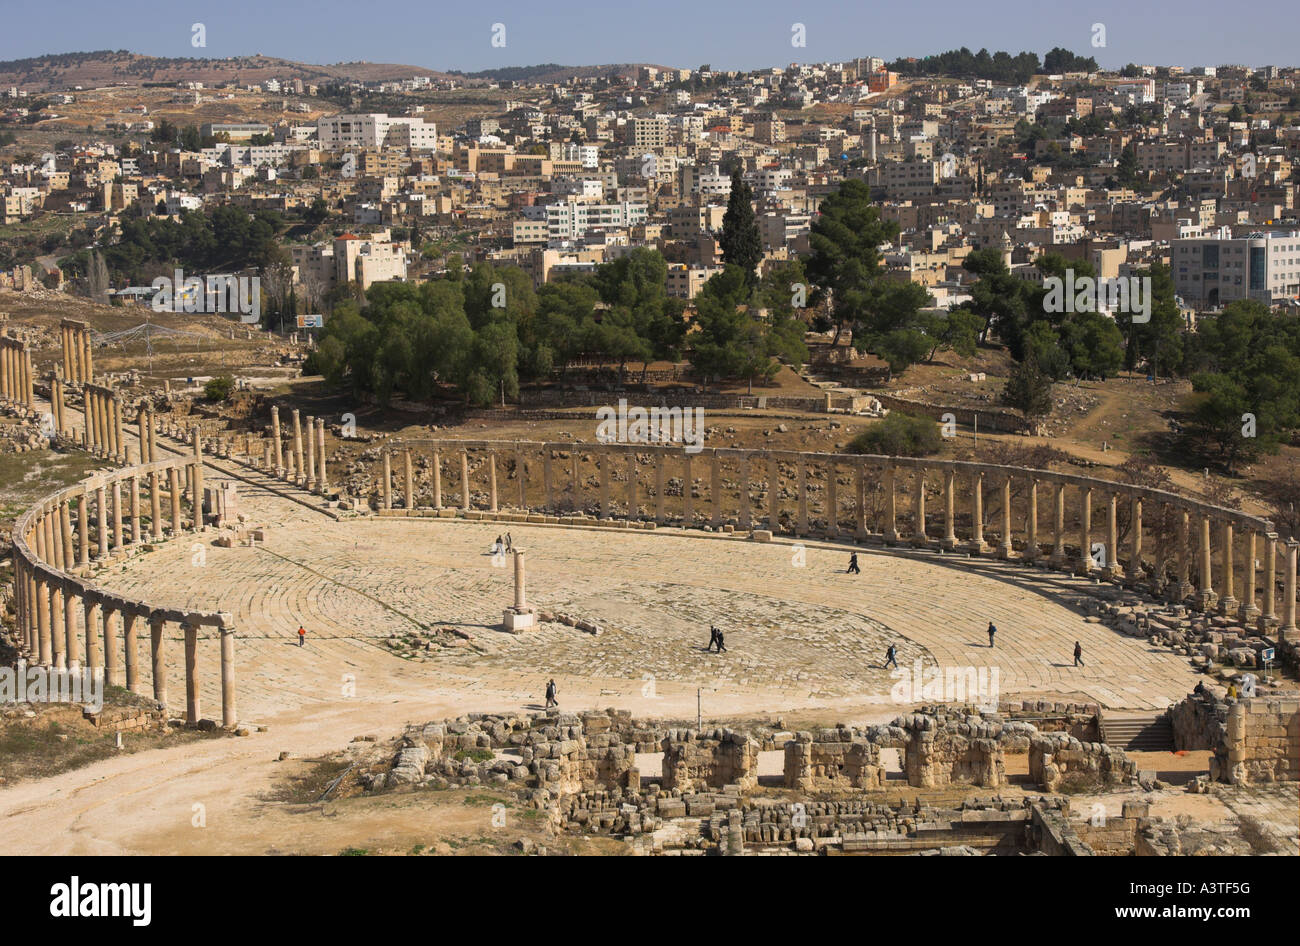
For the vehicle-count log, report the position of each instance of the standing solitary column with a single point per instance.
(191, 672)
(1228, 603)
(492, 480)
(408, 480)
(156, 625)
(229, 718)
(464, 480)
(521, 599)
(322, 480)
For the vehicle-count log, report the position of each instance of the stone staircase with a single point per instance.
(1138, 732)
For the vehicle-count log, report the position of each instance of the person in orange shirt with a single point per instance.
(302, 636)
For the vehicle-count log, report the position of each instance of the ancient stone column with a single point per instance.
(492, 480)
(143, 435)
(156, 626)
(43, 596)
(521, 602)
(70, 629)
(660, 499)
(548, 485)
(464, 480)
(920, 537)
(1229, 602)
(949, 508)
(89, 357)
(408, 480)
(323, 478)
(746, 513)
(155, 507)
(130, 651)
(88, 415)
(1135, 549)
(1288, 630)
(1159, 569)
(977, 543)
(118, 539)
(117, 430)
(1268, 613)
(437, 479)
(58, 638)
(174, 488)
(891, 505)
(275, 442)
(773, 493)
(633, 510)
(1085, 530)
(153, 439)
(605, 461)
(136, 535)
(1031, 523)
(1004, 543)
(1112, 536)
(1206, 596)
(112, 665)
(715, 491)
(91, 616)
(101, 514)
(387, 485)
(65, 532)
(297, 446)
(192, 714)
(1249, 609)
(311, 454)
(83, 530)
(688, 500)
(1185, 587)
(229, 715)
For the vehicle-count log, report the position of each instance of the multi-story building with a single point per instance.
(349, 258)
(570, 219)
(376, 130)
(1212, 271)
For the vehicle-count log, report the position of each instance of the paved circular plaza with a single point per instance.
(800, 632)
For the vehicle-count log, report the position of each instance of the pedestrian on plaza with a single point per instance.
(891, 656)
(550, 694)
(992, 630)
(713, 638)
(722, 646)
(1078, 654)
(302, 636)
(853, 564)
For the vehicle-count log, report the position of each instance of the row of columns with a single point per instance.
(1166, 570)
(78, 363)
(103, 422)
(15, 372)
(305, 463)
(63, 624)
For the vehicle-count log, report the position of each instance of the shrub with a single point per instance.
(899, 435)
(220, 388)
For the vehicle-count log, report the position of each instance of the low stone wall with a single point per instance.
(1055, 756)
(1262, 744)
(994, 421)
(709, 760)
(832, 759)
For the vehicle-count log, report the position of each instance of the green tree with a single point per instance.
(740, 240)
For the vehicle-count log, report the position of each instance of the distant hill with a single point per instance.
(108, 67)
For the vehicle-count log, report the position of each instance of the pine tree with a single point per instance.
(741, 242)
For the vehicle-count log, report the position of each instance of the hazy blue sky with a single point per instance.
(683, 33)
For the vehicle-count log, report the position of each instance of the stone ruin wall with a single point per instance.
(1253, 740)
(1055, 756)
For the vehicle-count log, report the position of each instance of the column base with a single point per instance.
(515, 620)
(950, 542)
(1205, 601)
(1004, 552)
(1248, 614)
(1228, 605)
(1085, 568)
(1266, 623)
(921, 540)
(977, 546)
(1113, 572)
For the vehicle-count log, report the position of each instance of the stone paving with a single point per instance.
(796, 636)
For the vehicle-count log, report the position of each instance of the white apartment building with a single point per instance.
(349, 258)
(376, 130)
(1212, 271)
(570, 219)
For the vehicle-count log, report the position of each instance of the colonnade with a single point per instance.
(66, 622)
(304, 462)
(102, 416)
(15, 372)
(1213, 559)
(78, 361)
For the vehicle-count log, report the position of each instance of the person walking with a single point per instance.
(1078, 654)
(550, 694)
(853, 564)
(891, 656)
(722, 647)
(992, 630)
(302, 636)
(713, 638)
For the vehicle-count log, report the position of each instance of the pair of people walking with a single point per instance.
(550, 694)
(716, 639)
